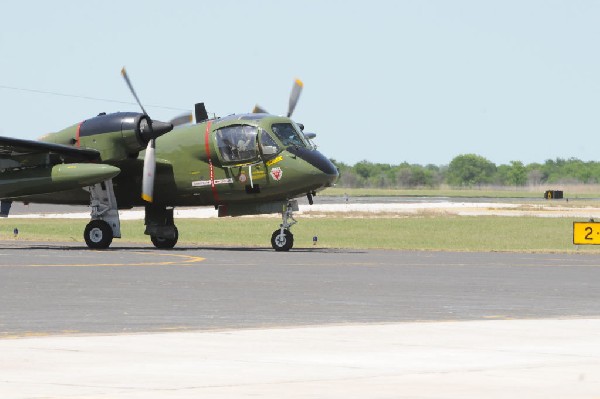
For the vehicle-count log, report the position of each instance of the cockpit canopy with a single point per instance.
(289, 135)
(238, 143)
(242, 143)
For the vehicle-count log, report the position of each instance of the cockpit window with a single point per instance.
(288, 135)
(238, 143)
(268, 145)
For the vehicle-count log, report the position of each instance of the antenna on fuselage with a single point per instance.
(200, 111)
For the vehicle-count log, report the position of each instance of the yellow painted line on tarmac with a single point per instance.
(26, 334)
(186, 260)
(176, 328)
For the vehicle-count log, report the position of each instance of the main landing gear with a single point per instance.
(282, 239)
(160, 226)
(105, 223)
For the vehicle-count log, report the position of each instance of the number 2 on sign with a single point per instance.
(586, 233)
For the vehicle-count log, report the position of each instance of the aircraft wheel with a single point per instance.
(165, 243)
(98, 234)
(282, 242)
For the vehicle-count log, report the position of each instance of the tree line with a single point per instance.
(468, 170)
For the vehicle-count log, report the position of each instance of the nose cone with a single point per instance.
(156, 129)
(319, 161)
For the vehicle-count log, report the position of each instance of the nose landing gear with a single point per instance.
(283, 239)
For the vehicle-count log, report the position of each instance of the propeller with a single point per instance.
(294, 96)
(155, 129)
(182, 119)
(149, 169)
(124, 73)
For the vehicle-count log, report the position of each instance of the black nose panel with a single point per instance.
(315, 158)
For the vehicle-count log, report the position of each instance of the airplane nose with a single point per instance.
(319, 161)
(332, 171)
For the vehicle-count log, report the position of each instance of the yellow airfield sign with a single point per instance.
(586, 233)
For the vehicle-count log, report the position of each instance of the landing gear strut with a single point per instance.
(105, 224)
(283, 239)
(161, 227)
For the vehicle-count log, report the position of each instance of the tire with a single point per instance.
(284, 243)
(98, 234)
(165, 243)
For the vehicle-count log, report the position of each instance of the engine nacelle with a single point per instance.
(117, 136)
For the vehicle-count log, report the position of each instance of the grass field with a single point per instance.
(438, 233)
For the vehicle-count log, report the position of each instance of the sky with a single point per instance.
(385, 81)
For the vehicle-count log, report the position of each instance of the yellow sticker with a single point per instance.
(259, 174)
(274, 161)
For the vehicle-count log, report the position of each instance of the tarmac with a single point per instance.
(313, 323)
(476, 359)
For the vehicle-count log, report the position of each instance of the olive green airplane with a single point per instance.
(242, 164)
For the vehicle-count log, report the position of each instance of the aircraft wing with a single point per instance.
(30, 167)
(31, 153)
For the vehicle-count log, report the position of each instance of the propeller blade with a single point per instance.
(182, 119)
(124, 73)
(149, 169)
(259, 110)
(294, 96)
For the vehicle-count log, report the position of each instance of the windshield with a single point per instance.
(268, 145)
(237, 143)
(288, 135)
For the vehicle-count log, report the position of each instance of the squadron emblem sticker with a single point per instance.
(276, 173)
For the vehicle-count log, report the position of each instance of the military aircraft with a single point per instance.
(242, 164)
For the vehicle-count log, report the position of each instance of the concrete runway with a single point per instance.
(50, 288)
(234, 322)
